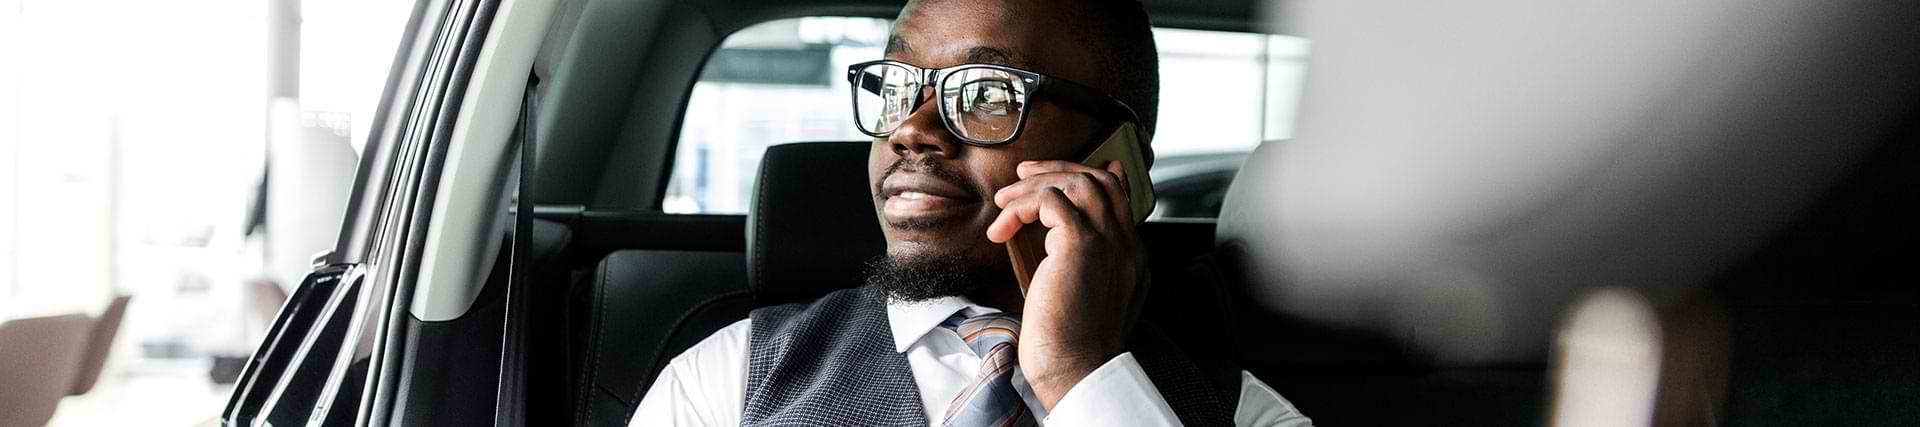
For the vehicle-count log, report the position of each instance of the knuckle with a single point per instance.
(1057, 194)
(1058, 199)
(1088, 183)
(1087, 177)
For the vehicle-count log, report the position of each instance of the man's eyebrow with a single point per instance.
(895, 44)
(988, 55)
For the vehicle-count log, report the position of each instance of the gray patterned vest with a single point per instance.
(832, 363)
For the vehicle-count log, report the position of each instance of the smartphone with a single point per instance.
(1028, 246)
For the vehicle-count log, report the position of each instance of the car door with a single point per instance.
(380, 333)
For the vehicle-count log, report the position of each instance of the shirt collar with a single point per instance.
(911, 321)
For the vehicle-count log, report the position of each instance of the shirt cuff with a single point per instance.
(1118, 393)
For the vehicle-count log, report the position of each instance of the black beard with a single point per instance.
(921, 278)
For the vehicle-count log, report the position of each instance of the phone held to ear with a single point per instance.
(1028, 246)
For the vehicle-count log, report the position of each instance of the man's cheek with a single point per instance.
(998, 175)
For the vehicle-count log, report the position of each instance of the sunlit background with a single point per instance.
(135, 138)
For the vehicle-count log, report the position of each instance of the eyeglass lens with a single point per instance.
(979, 104)
(883, 97)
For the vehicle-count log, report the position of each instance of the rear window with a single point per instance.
(1221, 94)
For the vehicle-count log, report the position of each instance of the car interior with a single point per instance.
(646, 285)
(1797, 322)
(636, 286)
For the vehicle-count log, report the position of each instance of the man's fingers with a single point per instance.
(1036, 167)
(1014, 214)
(1065, 222)
(1119, 171)
(1113, 175)
(1091, 191)
(1048, 206)
(1115, 179)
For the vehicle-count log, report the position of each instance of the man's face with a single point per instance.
(933, 193)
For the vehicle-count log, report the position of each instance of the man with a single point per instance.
(971, 104)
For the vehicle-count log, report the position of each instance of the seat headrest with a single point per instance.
(811, 226)
(1238, 215)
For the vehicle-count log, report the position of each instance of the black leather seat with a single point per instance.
(811, 225)
(643, 307)
(810, 229)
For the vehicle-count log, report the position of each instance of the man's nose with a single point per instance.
(923, 133)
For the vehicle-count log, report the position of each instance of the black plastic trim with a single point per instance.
(599, 232)
(265, 373)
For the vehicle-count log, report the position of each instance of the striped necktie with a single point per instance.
(990, 400)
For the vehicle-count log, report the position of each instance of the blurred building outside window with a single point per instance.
(134, 139)
(1221, 94)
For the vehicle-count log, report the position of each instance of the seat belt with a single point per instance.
(510, 406)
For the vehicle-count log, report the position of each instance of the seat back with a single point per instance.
(643, 308)
(39, 357)
(100, 345)
(811, 225)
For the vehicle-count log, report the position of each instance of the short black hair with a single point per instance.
(1121, 36)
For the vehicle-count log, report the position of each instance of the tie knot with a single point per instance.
(1008, 322)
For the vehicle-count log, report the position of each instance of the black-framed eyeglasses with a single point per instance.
(983, 104)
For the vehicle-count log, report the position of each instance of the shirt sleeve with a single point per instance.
(703, 386)
(1261, 406)
(1119, 393)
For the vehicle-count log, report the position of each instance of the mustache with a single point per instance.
(925, 165)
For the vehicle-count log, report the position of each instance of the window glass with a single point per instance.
(1221, 94)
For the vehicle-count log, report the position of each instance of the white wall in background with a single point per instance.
(346, 49)
(9, 125)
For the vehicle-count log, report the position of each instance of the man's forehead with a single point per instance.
(1018, 33)
(949, 54)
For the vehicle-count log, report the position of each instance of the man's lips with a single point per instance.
(911, 196)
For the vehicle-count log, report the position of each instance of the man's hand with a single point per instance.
(1081, 300)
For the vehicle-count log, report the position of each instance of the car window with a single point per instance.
(1221, 94)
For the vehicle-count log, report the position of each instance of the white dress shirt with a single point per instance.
(706, 385)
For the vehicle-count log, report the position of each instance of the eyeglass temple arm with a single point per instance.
(1089, 98)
